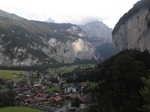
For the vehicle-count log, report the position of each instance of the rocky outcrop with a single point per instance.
(26, 43)
(133, 29)
(100, 36)
(98, 33)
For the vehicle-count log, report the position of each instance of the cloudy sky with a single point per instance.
(74, 11)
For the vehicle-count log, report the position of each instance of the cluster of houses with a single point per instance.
(38, 94)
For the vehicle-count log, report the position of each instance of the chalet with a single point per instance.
(42, 95)
(56, 99)
(70, 90)
(40, 99)
(28, 101)
(39, 86)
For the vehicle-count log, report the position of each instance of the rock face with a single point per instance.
(24, 42)
(100, 36)
(133, 29)
(98, 33)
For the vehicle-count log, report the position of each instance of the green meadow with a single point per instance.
(11, 74)
(19, 109)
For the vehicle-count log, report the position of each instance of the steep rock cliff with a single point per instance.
(133, 29)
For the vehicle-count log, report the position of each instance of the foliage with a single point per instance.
(19, 109)
(75, 102)
(119, 82)
(106, 50)
(92, 85)
(80, 74)
(7, 96)
(53, 89)
(145, 92)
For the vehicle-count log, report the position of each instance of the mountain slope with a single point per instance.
(100, 35)
(24, 42)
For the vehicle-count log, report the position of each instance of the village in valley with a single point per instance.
(50, 94)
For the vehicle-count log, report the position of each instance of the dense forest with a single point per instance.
(122, 83)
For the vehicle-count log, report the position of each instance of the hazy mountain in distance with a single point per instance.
(98, 33)
(50, 20)
(100, 36)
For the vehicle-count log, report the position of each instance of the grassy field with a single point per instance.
(15, 75)
(11, 74)
(19, 109)
(66, 69)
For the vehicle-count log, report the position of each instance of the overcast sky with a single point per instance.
(74, 11)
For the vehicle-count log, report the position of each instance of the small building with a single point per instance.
(42, 95)
(70, 90)
(56, 99)
(28, 101)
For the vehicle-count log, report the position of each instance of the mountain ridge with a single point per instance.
(29, 42)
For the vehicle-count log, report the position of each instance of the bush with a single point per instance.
(7, 97)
